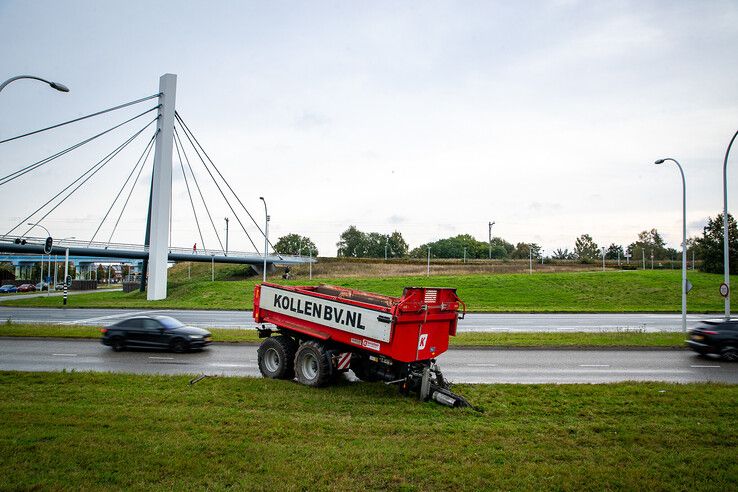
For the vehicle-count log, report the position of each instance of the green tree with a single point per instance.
(614, 251)
(357, 244)
(709, 247)
(648, 242)
(352, 243)
(585, 248)
(524, 250)
(562, 254)
(295, 244)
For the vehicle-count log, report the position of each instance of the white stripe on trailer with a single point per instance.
(344, 359)
(337, 315)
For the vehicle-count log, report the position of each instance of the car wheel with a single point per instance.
(118, 344)
(313, 364)
(730, 354)
(276, 357)
(179, 346)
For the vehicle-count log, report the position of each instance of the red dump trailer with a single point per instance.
(322, 331)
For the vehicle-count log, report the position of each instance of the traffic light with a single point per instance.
(48, 244)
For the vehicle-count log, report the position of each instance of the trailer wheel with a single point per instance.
(313, 364)
(276, 356)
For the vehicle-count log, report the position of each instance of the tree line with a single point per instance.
(354, 243)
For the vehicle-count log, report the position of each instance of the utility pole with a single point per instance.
(464, 254)
(386, 243)
(603, 259)
(66, 274)
(226, 246)
(310, 263)
(651, 259)
(644, 257)
(490, 239)
(530, 260)
(428, 271)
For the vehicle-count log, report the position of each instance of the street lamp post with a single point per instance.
(66, 269)
(490, 239)
(53, 85)
(684, 240)
(726, 236)
(428, 270)
(226, 245)
(266, 238)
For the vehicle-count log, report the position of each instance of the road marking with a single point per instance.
(65, 355)
(482, 365)
(215, 364)
(162, 358)
(704, 366)
(100, 318)
(594, 365)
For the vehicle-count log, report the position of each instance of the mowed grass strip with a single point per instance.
(610, 291)
(571, 339)
(105, 431)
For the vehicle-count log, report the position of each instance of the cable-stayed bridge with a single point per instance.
(165, 135)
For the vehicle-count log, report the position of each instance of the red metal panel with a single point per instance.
(422, 320)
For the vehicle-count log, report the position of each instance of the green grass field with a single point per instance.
(583, 340)
(82, 431)
(610, 291)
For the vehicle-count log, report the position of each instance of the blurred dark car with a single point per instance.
(26, 288)
(8, 289)
(155, 332)
(719, 337)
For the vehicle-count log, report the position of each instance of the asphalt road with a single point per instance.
(459, 365)
(479, 322)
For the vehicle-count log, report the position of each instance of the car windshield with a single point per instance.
(7, 286)
(169, 323)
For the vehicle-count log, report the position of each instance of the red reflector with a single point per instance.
(710, 332)
(103, 330)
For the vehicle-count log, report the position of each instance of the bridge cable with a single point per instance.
(91, 171)
(192, 203)
(202, 197)
(35, 165)
(185, 127)
(139, 161)
(120, 106)
(135, 182)
(220, 190)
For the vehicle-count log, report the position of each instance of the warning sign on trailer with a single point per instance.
(352, 319)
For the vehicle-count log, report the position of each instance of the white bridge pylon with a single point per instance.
(161, 191)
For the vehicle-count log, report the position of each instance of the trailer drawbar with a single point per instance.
(326, 330)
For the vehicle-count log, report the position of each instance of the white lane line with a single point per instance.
(162, 358)
(100, 318)
(215, 364)
(705, 366)
(482, 365)
(65, 355)
(594, 365)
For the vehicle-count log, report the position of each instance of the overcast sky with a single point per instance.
(431, 118)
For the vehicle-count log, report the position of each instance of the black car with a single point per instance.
(718, 337)
(156, 332)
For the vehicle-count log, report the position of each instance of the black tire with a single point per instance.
(118, 344)
(276, 357)
(179, 345)
(313, 365)
(729, 353)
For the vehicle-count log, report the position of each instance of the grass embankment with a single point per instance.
(610, 291)
(579, 340)
(91, 431)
